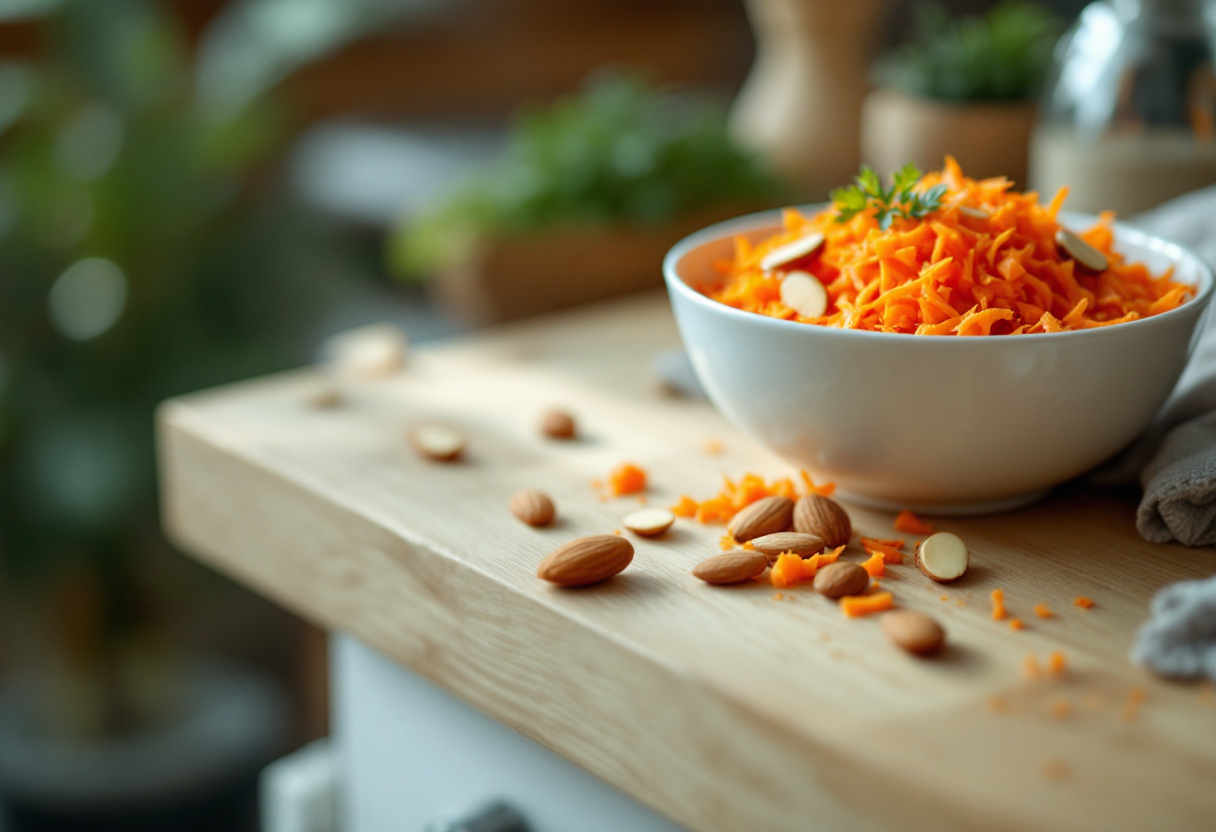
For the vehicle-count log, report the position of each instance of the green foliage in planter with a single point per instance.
(620, 152)
(1002, 56)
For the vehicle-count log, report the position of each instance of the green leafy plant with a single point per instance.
(619, 152)
(1002, 56)
(899, 200)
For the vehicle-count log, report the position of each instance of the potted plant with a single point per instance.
(589, 195)
(964, 87)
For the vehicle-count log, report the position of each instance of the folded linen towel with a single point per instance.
(1180, 638)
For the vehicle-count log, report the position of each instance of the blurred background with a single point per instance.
(198, 191)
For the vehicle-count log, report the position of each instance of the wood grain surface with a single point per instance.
(723, 708)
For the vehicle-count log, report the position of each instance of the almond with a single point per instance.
(802, 545)
(649, 522)
(533, 507)
(558, 424)
(823, 518)
(913, 631)
(842, 578)
(768, 515)
(942, 557)
(731, 567)
(587, 560)
(324, 398)
(802, 292)
(369, 352)
(442, 443)
(1081, 251)
(792, 252)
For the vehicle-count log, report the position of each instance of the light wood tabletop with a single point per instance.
(723, 708)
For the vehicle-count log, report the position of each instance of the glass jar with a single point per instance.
(1128, 115)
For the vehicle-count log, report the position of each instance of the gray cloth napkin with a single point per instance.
(1175, 459)
(1180, 638)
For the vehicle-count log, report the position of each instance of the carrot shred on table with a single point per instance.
(908, 522)
(1016, 624)
(830, 557)
(1082, 602)
(889, 553)
(787, 571)
(712, 447)
(875, 565)
(1043, 611)
(736, 496)
(1031, 666)
(1055, 663)
(998, 604)
(949, 273)
(1131, 708)
(1061, 708)
(626, 479)
(858, 605)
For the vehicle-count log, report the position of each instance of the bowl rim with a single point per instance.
(1125, 234)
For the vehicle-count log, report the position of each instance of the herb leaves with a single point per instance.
(899, 200)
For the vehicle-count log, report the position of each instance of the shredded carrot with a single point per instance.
(726, 542)
(1043, 611)
(951, 273)
(908, 522)
(830, 557)
(1055, 769)
(998, 604)
(894, 542)
(786, 572)
(1016, 624)
(1082, 602)
(875, 565)
(857, 605)
(944, 598)
(1031, 665)
(713, 447)
(1055, 663)
(889, 553)
(997, 704)
(736, 496)
(1060, 708)
(1131, 708)
(777, 596)
(626, 479)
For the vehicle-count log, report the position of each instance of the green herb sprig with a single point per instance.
(899, 200)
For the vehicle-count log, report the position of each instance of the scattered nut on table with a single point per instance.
(368, 352)
(913, 631)
(799, 543)
(824, 518)
(732, 567)
(649, 522)
(943, 557)
(767, 515)
(839, 579)
(587, 560)
(437, 441)
(558, 424)
(533, 507)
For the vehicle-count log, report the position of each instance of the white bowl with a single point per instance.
(943, 425)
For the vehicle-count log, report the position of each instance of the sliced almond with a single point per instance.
(767, 515)
(974, 213)
(369, 352)
(913, 631)
(649, 522)
(324, 398)
(823, 517)
(558, 424)
(802, 545)
(792, 251)
(942, 557)
(731, 567)
(802, 292)
(440, 442)
(533, 507)
(1081, 251)
(842, 578)
(587, 560)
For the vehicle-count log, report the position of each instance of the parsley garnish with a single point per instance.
(899, 200)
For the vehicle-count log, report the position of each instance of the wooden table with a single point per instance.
(724, 709)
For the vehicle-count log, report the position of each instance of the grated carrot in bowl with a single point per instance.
(953, 272)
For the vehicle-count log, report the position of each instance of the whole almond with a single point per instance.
(842, 578)
(823, 518)
(942, 557)
(913, 631)
(731, 567)
(587, 560)
(533, 507)
(558, 424)
(768, 515)
(436, 441)
(802, 545)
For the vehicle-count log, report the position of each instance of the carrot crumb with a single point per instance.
(1060, 708)
(777, 596)
(642, 499)
(997, 704)
(830, 557)
(1055, 663)
(908, 522)
(1031, 665)
(726, 543)
(944, 598)
(857, 605)
(1131, 707)
(736, 496)
(998, 604)
(1055, 769)
(1082, 602)
(960, 602)
(1043, 611)
(875, 565)
(786, 572)
(890, 554)
(713, 447)
(1016, 624)
(626, 479)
